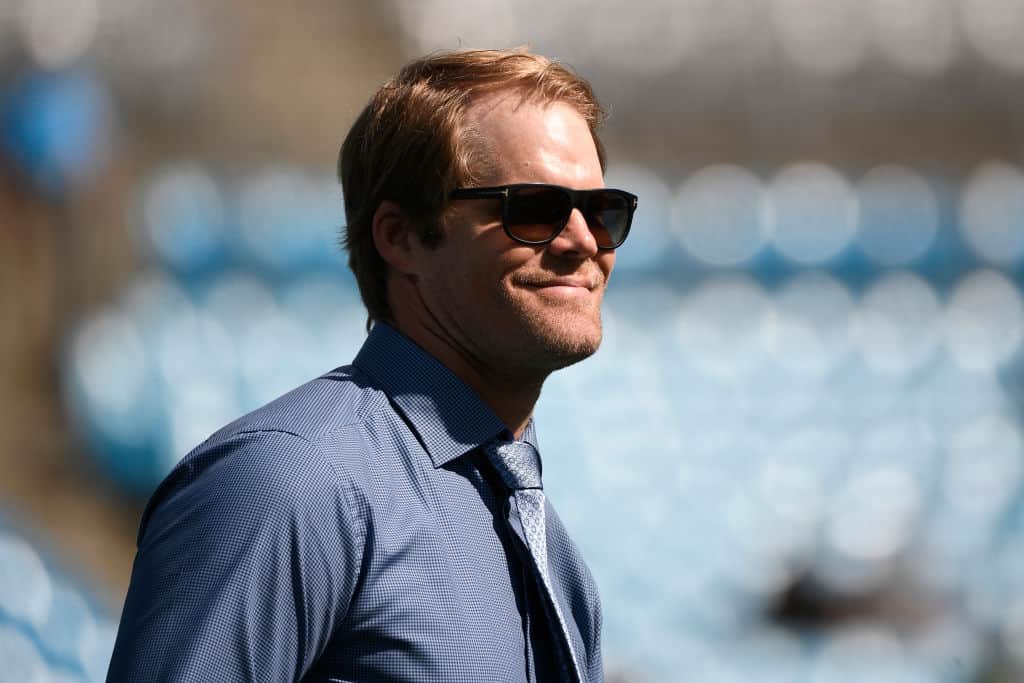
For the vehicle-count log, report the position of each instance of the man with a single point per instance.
(386, 522)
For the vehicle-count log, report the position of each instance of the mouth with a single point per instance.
(572, 288)
(583, 283)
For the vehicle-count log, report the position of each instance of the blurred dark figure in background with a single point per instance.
(387, 521)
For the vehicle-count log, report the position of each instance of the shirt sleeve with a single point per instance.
(248, 558)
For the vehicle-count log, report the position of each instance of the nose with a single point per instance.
(575, 238)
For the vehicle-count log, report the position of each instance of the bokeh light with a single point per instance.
(722, 326)
(25, 591)
(811, 212)
(918, 37)
(811, 324)
(827, 38)
(898, 324)
(288, 220)
(993, 28)
(438, 24)
(238, 299)
(984, 320)
(110, 380)
(57, 33)
(992, 213)
(619, 33)
(983, 469)
(899, 215)
(717, 214)
(22, 660)
(873, 514)
(70, 628)
(184, 217)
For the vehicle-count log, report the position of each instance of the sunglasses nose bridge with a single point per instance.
(580, 200)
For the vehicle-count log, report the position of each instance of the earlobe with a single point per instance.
(393, 234)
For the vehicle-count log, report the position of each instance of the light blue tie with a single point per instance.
(519, 466)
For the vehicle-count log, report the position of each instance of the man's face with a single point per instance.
(513, 306)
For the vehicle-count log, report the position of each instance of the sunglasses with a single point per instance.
(535, 213)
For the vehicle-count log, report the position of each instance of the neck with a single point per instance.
(510, 393)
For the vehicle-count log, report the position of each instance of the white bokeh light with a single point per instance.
(794, 498)
(26, 591)
(633, 43)
(197, 360)
(447, 24)
(899, 215)
(70, 628)
(21, 659)
(706, 27)
(96, 661)
(196, 408)
(286, 218)
(198, 364)
(811, 325)
(917, 36)
(810, 212)
(153, 295)
(717, 215)
(897, 327)
(112, 369)
(823, 453)
(762, 544)
(983, 467)
(951, 397)
(183, 215)
(991, 583)
(994, 28)
(722, 326)
(238, 300)
(57, 33)
(823, 37)
(317, 298)
(992, 212)
(907, 444)
(984, 321)
(264, 373)
(110, 359)
(873, 514)
(193, 348)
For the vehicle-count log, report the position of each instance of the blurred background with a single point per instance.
(804, 428)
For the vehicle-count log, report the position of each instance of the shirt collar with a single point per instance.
(449, 418)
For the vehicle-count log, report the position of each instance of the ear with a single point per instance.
(394, 235)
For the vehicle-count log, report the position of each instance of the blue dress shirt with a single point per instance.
(351, 530)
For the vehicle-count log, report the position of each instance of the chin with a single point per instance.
(561, 341)
(552, 334)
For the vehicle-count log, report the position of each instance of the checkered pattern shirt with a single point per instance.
(351, 530)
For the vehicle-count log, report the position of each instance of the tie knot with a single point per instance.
(517, 462)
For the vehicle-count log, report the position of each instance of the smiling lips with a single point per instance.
(568, 281)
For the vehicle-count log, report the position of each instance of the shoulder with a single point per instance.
(338, 399)
(306, 451)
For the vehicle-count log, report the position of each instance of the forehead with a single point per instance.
(524, 140)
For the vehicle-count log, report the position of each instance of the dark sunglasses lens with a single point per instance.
(608, 215)
(534, 214)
